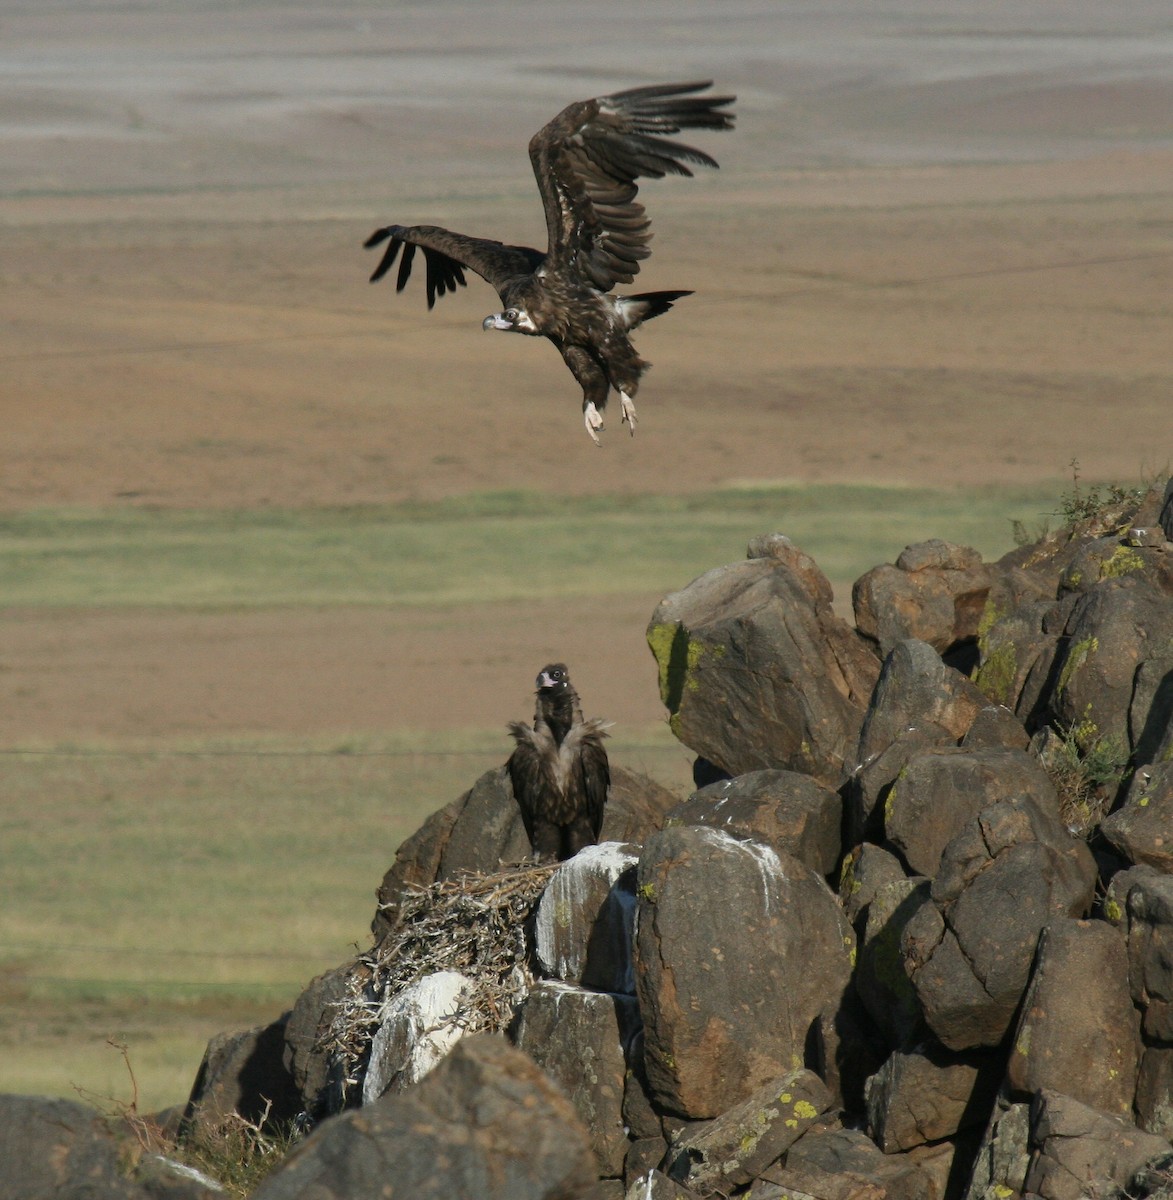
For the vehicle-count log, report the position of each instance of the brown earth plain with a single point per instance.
(938, 253)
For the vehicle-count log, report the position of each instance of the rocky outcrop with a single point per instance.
(983, 1008)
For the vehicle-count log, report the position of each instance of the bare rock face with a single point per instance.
(756, 671)
(781, 809)
(1078, 1033)
(1003, 1156)
(866, 869)
(583, 928)
(940, 790)
(733, 1149)
(926, 1094)
(1009, 872)
(1114, 628)
(738, 951)
(306, 1061)
(936, 593)
(881, 980)
(59, 1148)
(488, 1122)
(577, 1037)
(1149, 914)
(1081, 1152)
(1142, 828)
(844, 1164)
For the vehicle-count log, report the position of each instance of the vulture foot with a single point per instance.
(629, 416)
(594, 422)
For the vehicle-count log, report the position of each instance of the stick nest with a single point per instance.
(475, 924)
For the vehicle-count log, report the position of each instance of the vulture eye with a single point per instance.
(511, 314)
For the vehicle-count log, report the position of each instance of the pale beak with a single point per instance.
(496, 321)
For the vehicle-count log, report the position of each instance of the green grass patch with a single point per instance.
(479, 548)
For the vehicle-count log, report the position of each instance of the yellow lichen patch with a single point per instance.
(1003, 1192)
(1112, 910)
(995, 676)
(1022, 1046)
(806, 1110)
(990, 617)
(1124, 561)
(647, 892)
(1077, 655)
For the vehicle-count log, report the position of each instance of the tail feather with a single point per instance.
(635, 310)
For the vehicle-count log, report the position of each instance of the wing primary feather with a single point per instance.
(405, 266)
(389, 256)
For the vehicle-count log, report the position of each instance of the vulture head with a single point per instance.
(512, 320)
(553, 679)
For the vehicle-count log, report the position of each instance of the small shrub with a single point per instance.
(1101, 505)
(237, 1152)
(1087, 776)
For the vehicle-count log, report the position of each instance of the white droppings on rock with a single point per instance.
(765, 857)
(570, 906)
(416, 1030)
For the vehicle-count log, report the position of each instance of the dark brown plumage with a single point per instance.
(586, 162)
(559, 770)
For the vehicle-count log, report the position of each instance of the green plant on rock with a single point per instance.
(1099, 503)
(1087, 773)
(237, 1152)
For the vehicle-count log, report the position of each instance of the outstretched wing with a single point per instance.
(588, 158)
(447, 255)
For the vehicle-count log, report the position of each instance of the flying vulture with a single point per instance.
(587, 161)
(559, 770)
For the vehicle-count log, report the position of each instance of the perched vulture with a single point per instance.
(559, 770)
(586, 161)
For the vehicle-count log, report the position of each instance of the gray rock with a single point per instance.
(1003, 1157)
(1009, 652)
(782, 809)
(488, 831)
(866, 870)
(844, 1164)
(244, 1073)
(881, 979)
(1142, 828)
(733, 1149)
(738, 951)
(1154, 1091)
(1113, 629)
(927, 1094)
(936, 593)
(996, 727)
(1002, 878)
(1078, 1031)
(939, 791)
(57, 1148)
(583, 926)
(756, 671)
(644, 1156)
(1150, 951)
(655, 1185)
(636, 806)
(577, 1037)
(1081, 1152)
(308, 1064)
(488, 1122)
(417, 862)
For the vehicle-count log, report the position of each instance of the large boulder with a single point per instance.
(308, 1062)
(1078, 1032)
(488, 1122)
(738, 951)
(782, 809)
(757, 671)
(1010, 871)
(1003, 1155)
(577, 1037)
